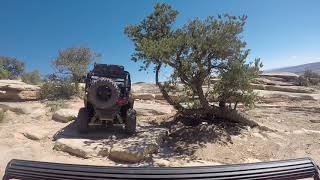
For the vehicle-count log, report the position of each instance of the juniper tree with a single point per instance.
(196, 52)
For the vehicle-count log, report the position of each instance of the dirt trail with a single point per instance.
(296, 134)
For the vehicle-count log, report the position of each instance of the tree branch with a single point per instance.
(164, 92)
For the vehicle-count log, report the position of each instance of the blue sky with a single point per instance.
(280, 32)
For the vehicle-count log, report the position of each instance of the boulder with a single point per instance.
(36, 134)
(119, 148)
(65, 115)
(139, 147)
(14, 90)
(129, 153)
(84, 148)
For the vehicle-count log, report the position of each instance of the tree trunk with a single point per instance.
(204, 102)
(164, 92)
(76, 84)
(233, 115)
(207, 110)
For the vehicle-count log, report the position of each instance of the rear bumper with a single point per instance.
(286, 169)
(107, 114)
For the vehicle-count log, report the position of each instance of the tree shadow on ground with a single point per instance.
(94, 133)
(185, 140)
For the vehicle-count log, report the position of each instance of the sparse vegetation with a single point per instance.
(55, 89)
(10, 68)
(195, 52)
(32, 77)
(73, 62)
(309, 78)
(4, 74)
(2, 114)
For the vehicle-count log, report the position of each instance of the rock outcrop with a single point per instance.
(144, 96)
(292, 89)
(131, 149)
(137, 148)
(84, 148)
(14, 90)
(34, 109)
(286, 76)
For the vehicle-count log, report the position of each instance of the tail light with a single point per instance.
(121, 102)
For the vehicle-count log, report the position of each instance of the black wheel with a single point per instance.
(83, 120)
(131, 121)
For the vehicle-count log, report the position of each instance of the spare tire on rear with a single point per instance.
(103, 93)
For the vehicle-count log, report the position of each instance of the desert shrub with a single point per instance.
(11, 67)
(57, 89)
(4, 74)
(309, 78)
(32, 77)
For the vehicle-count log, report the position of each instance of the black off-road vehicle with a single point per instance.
(107, 99)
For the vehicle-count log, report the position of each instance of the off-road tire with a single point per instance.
(83, 120)
(96, 101)
(131, 121)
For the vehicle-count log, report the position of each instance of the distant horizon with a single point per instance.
(281, 33)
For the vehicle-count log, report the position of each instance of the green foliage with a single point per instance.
(234, 85)
(309, 78)
(2, 115)
(74, 62)
(4, 74)
(195, 52)
(10, 68)
(32, 77)
(57, 89)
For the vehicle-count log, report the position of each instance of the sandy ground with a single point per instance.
(295, 133)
